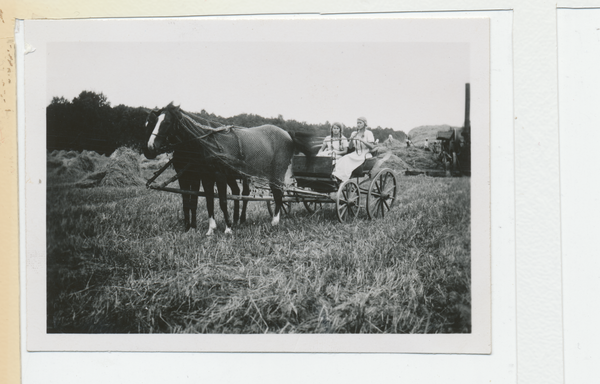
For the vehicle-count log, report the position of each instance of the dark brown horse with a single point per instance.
(193, 168)
(263, 152)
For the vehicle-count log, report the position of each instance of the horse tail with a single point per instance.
(303, 142)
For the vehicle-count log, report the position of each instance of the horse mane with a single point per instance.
(196, 118)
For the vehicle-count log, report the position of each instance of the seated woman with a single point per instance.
(363, 142)
(336, 143)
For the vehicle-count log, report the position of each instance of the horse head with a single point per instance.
(160, 125)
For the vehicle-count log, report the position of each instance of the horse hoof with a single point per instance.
(228, 231)
(275, 220)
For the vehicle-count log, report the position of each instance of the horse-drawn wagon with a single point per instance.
(316, 186)
(313, 186)
(230, 152)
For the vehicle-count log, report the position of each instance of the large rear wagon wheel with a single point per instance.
(348, 201)
(382, 194)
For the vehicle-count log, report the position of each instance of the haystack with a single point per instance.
(122, 170)
(154, 164)
(418, 158)
(72, 164)
(396, 163)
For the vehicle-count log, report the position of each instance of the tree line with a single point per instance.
(89, 122)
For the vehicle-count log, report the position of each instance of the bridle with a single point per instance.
(156, 113)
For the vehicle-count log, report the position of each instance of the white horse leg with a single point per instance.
(228, 230)
(275, 220)
(212, 225)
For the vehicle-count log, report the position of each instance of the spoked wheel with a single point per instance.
(348, 201)
(312, 206)
(382, 194)
(286, 208)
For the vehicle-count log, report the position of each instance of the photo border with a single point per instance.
(479, 341)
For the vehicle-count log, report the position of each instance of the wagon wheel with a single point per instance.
(312, 206)
(286, 208)
(382, 194)
(348, 201)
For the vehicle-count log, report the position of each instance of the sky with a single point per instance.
(304, 72)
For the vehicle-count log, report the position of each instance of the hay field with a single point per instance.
(118, 261)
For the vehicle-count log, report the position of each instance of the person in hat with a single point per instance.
(363, 142)
(336, 144)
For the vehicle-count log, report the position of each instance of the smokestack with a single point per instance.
(467, 104)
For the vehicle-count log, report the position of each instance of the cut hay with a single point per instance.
(53, 163)
(395, 163)
(154, 164)
(67, 165)
(417, 158)
(122, 170)
(84, 161)
(393, 143)
(92, 180)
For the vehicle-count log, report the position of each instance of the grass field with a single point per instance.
(118, 261)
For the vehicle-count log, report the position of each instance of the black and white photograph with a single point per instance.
(258, 184)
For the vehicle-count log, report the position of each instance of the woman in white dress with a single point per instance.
(363, 141)
(336, 144)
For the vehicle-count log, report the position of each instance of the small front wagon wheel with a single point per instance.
(312, 206)
(382, 194)
(286, 208)
(348, 201)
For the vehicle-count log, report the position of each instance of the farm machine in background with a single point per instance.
(455, 144)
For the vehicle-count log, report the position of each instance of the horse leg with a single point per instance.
(222, 189)
(185, 185)
(195, 187)
(278, 197)
(235, 190)
(245, 192)
(186, 210)
(208, 183)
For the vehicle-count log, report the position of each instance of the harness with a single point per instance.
(199, 133)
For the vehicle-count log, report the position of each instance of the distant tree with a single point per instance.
(60, 132)
(59, 100)
(91, 112)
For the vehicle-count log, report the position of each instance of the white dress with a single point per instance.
(348, 163)
(333, 145)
